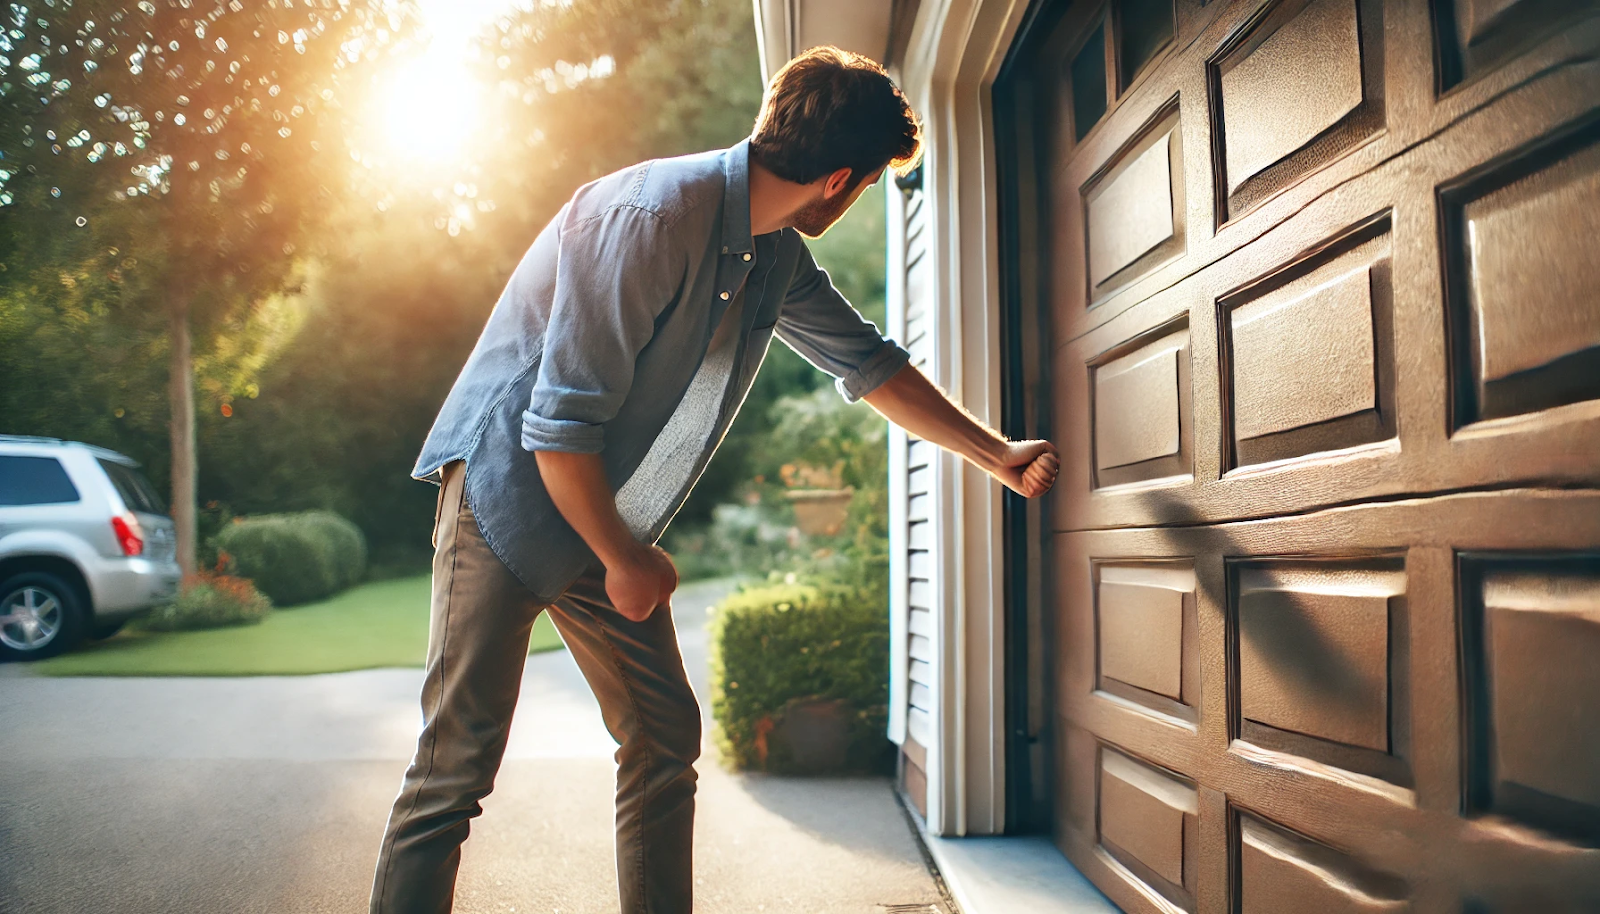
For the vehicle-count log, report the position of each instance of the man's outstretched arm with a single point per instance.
(911, 401)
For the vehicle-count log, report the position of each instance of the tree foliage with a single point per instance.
(196, 140)
(191, 145)
(337, 287)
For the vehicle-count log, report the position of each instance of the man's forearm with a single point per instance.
(916, 404)
(577, 484)
(639, 577)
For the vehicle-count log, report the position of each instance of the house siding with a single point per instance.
(915, 465)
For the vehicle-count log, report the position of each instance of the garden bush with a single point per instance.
(817, 441)
(294, 558)
(349, 545)
(210, 601)
(785, 656)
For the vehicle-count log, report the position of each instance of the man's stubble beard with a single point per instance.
(816, 217)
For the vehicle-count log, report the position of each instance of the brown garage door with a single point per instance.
(1322, 279)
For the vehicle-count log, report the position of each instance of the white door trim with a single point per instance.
(955, 53)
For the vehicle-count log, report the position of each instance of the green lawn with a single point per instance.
(375, 625)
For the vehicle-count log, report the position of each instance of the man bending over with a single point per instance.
(604, 380)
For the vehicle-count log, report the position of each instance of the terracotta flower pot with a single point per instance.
(820, 512)
(815, 733)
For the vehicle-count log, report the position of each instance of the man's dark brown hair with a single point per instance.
(830, 109)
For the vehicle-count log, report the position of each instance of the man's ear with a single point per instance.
(836, 183)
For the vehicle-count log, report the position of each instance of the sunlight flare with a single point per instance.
(430, 107)
(425, 113)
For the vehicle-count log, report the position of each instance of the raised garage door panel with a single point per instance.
(1279, 871)
(1136, 406)
(1306, 359)
(1133, 213)
(1523, 240)
(1141, 628)
(1302, 79)
(1324, 361)
(1532, 630)
(1147, 823)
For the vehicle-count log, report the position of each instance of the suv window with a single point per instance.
(35, 481)
(136, 491)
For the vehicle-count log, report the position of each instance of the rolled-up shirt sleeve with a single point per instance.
(616, 272)
(827, 331)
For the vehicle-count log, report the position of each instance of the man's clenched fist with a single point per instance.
(1029, 468)
(640, 581)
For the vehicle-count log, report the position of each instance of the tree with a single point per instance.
(199, 147)
(422, 253)
(395, 266)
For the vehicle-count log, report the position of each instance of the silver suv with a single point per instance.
(85, 544)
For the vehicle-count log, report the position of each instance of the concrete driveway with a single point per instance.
(228, 796)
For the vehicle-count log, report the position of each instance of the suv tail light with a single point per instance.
(130, 536)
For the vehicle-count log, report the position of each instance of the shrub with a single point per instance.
(818, 441)
(295, 558)
(287, 560)
(740, 540)
(209, 600)
(786, 656)
(349, 545)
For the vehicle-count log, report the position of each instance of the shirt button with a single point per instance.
(724, 249)
(724, 296)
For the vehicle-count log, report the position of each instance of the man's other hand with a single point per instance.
(638, 577)
(1028, 468)
(642, 580)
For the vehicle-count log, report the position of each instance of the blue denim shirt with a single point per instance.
(604, 328)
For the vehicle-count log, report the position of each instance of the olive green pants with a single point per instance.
(482, 617)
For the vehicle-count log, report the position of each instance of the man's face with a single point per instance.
(817, 216)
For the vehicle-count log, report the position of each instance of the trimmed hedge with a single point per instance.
(295, 558)
(785, 656)
(210, 601)
(349, 545)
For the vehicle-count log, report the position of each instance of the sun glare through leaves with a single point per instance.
(427, 106)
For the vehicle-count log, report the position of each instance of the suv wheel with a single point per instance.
(40, 616)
